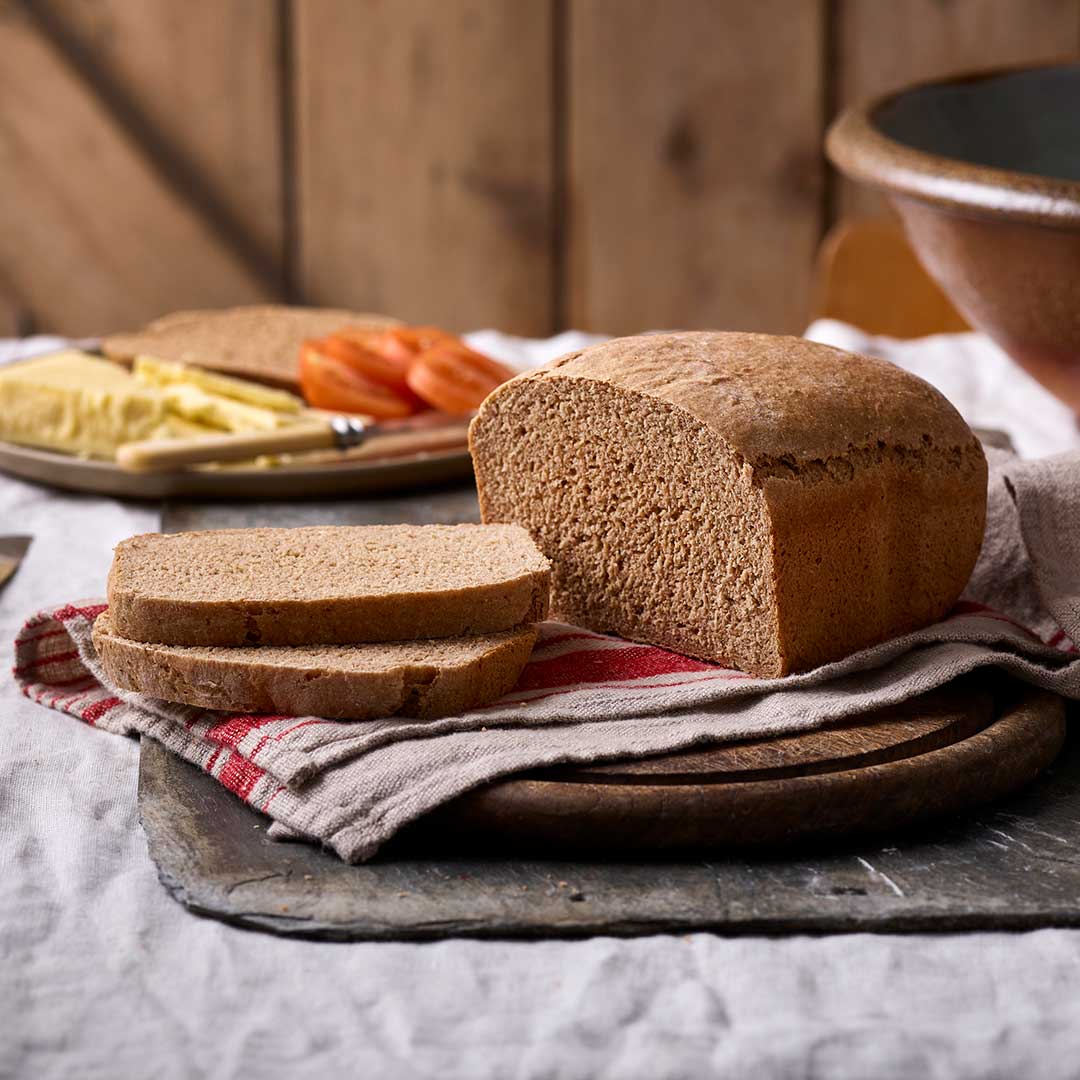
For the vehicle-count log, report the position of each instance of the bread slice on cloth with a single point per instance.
(260, 342)
(325, 585)
(424, 679)
(766, 502)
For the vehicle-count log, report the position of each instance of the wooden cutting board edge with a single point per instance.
(982, 758)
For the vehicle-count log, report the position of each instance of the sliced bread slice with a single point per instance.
(326, 585)
(425, 679)
(260, 342)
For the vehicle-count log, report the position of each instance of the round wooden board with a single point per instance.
(283, 482)
(965, 744)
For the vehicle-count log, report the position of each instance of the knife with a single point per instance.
(12, 550)
(333, 433)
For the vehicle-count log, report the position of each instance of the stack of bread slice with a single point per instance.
(350, 622)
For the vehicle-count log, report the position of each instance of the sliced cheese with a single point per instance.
(155, 372)
(176, 427)
(76, 403)
(198, 406)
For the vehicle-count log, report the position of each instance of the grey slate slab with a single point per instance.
(1012, 866)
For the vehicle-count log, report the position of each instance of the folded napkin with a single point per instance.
(585, 697)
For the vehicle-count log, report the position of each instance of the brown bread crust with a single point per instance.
(770, 398)
(326, 584)
(260, 342)
(793, 503)
(424, 679)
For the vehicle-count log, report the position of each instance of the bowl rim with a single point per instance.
(856, 146)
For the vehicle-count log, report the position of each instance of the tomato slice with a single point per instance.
(400, 345)
(367, 361)
(454, 378)
(422, 338)
(330, 383)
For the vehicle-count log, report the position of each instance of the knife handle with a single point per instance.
(156, 455)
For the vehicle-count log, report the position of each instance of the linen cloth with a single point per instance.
(102, 975)
(585, 697)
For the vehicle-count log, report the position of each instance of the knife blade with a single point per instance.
(12, 550)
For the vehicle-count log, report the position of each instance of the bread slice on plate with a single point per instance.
(325, 585)
(424, 679)
(260, 342)
(765, 502)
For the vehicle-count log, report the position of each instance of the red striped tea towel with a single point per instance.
(587, 697)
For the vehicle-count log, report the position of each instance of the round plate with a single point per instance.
(281, 482)
(944, 752)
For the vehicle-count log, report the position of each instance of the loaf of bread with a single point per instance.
(764, 502)
(260, 342)
(326, 584)
(424, 679)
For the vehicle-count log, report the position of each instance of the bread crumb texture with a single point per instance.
(423, 679)
(259, 341)
(764, 502)
(326, 584)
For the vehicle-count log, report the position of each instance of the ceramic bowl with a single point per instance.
(984, 170)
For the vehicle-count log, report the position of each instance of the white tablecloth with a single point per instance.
(103, 975)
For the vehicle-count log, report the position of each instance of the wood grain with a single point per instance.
(91, 236)
(883, 46)
(883, 771)
(695, 171)
(10, 318)
(818, 802)
(892, 734)
(425, 159)
(201, 81)
(530, 164)
(15, 319)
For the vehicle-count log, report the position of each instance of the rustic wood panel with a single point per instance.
(202, 81)
(695, 172)
(425, 159)
(882, 46)
(91, 236)
(530, 164)
(15, 318)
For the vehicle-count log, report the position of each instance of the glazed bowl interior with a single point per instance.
(1023, 121)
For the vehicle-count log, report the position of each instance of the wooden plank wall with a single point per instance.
(424, 159)
(694, 164)
(529, 164)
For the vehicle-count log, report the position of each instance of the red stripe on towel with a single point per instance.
(93, 713)
(606, 665)
(27, 638)
(239, 775)
(232, 730)
(70, 611)
(42, 661)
